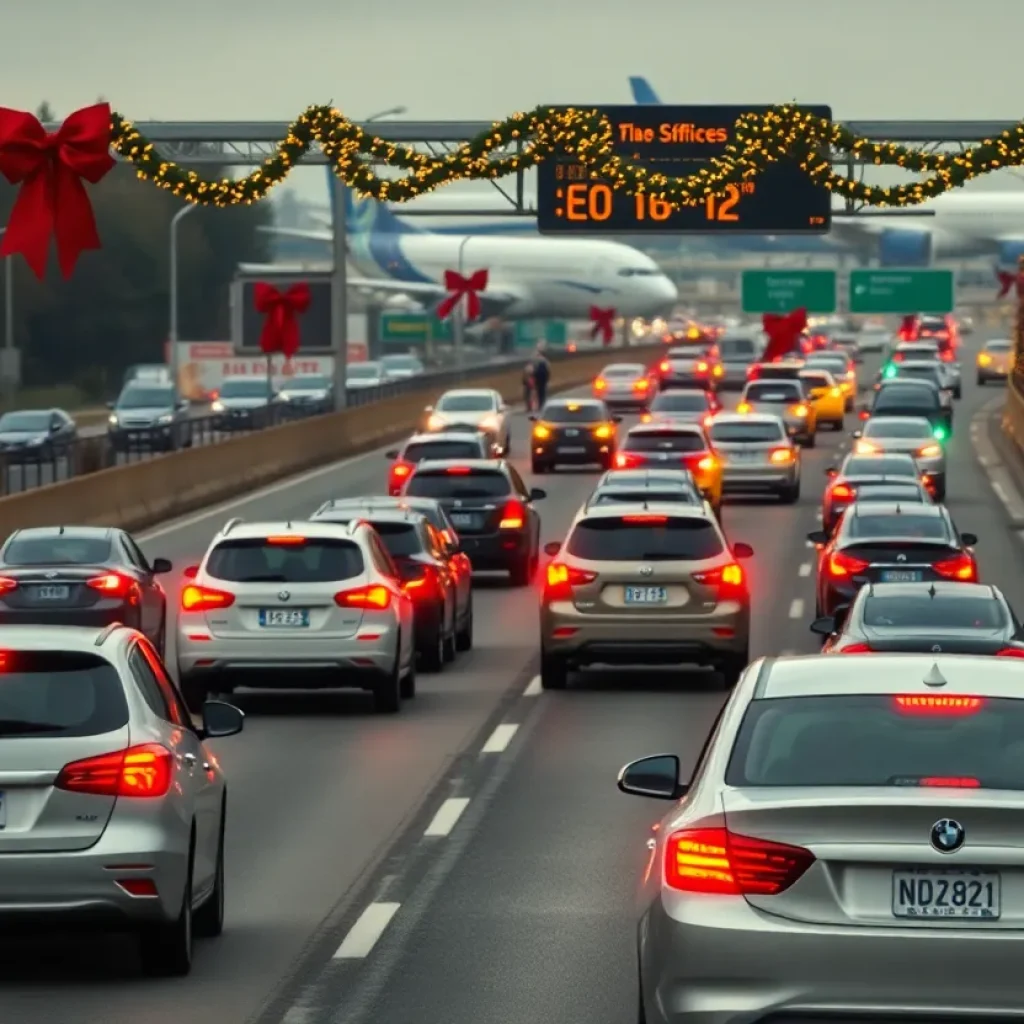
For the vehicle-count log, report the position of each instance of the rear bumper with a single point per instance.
(759, 478)
(553, 453)
(700, 383)
(89, 618)
(496, 551)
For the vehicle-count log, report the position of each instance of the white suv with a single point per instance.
(296, 605)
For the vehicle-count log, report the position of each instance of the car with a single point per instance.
(785, 369)
(36, 435)
(737, 354)
(787, 400)
(282, 605)
(425, 571)
(149, 416)
(245, 403)
(934, 373)
(689, 367)
(890, 544)
(757, 455)
(846, 479)
(120, 819)
(840, 828)
(889, 491)
(683, 406)
(848, 344)
(951, 618)
(307, 394)
(480, 410)
(652, 584)
(944, 394)
(827, 398)
(943, 330)
(575, 432)
(434, 446)
(402, 366)
(685, 445)
(491, 507)
(841, 368)
(624, 385)
(873, 340)
(882, 435)
(930, 352)
(82, 576)
(994, 362)
(366, 375)
(913, 398)
(642, 486)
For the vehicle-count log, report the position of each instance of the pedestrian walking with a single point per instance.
(529, 387)
(541, 376)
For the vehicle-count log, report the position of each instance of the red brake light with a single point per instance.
(947, 355)
(641, 385)
(950, 782)
(717, 861)
(376, 597)
(287, 540)
(856, 649)
(140, 771)
(7, 584)
(1011, 652)
(427, 583)
(562, 578)
(112, 584)
(728, 579)
(400, 470)
(702, 367)
(842, 492)
(707, 463)
(960, 568)
(600, 384)
(842, 564)
(927, 704)
(458, 470)
(664, 366)
(628, 460)
(898, 357)
(204, 599)
(645, 519)
(513, 515)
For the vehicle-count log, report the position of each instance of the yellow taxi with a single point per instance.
(826, 396)
(995, 360)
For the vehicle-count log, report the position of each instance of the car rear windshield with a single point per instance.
(773, 391)
(834, 366)
(880, 740)
(999, 346)
(625, 370)
(680, 494)
(901, 525)
(778, 372)
(880, 465)
(58, 693)
(27, 421)
(58, 549)
(817, 380)
(399, 538)
(871, 493)
(253, 560)
(466, 403)
(478, 483)
(665, 441)
(750, 433)
(907, 428)
(920, 372)
(563, 412)
(737, 350)
(468, 449)
(919, 611)
(660, 539)
(680, 403)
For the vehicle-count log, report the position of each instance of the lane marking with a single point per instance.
(447, 815)
(805, 569)
(796, 609)
(500, 738)
(363, 935)
(1001, 492)
(534, 689)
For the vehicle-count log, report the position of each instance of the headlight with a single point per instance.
(541, 432)
(112, 420)
(285, 396)
(166, 419)
(490, 423)
(217, 407)
(435, 422)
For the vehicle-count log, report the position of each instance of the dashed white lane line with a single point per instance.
(805, 569)
(447, 815)
(499, 739)
(363, 935)
(533, 689)
(1001, 492)
(796, 609)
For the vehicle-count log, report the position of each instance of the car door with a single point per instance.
(436, 547)
(522, 492)
(153, 598)
(385, 565)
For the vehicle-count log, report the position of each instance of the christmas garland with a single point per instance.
(784, 132)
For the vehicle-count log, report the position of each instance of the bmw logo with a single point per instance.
(948, 835)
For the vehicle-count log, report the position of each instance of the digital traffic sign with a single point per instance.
(679, 141)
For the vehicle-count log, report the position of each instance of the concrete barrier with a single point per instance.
(139, 495)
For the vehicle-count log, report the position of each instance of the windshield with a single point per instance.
(563, 412)
(402, 363)
(254, 560)
(896, 397)
(363, 371)
(879, 465)
(466, 403)
(317, 383)
(29, 422)
(401, 539)
(481, 483)
(750, 433)
(664, 441)
(773, 392)
(420, 450)
(907, 428)
(878, 740)
(914, 611)
(147, 398)
(245, 389)
(661, 539)
(57, 549)
(680, 402)
(613, 497)
(901, 524)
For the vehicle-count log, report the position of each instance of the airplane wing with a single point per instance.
(642, 91)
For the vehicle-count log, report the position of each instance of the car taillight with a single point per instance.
(708, 420)
(856, 649)
(842, 564)
(426, 584)
(513, 515)
(376, 597)
(645, 518)
(400, 470)
(707, 464)
(641, 385)
(781, 456)
(961, 568)
(950, 782)
(841, 492)
(752, 372)
(799, 410)
(717, 861)
(927, 704)
(702, 367)
(600, 384)
(863, 415)
(665, 366)
(562, 578)
(204, 599)
(628, 460)
(947, 355)
(287, 540)
(112, 584)
(898, 357)
(1011, 652)
(866, 448)
(141, 771)
(7, 584)
(728, 579)
(928, 451)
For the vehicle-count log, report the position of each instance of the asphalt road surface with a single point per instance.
(469, 860)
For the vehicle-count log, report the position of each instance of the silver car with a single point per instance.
(757, 455)
(911, 435)
(402, 367)
(112, 810)
(624, 384)
(928, 352)
(687, 405)
(648, 486)
(737, 355)
(849, 846)
(785, 400)
(364, 376)
(475, 409)
(296, 605)
(245, 403)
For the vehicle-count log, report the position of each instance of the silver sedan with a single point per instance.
(912, 436)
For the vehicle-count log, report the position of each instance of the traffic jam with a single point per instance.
(848, 817)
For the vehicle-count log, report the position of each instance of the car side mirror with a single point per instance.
(552, 548)
(970, 539)
(220, 720)
(831, 472)
(183, 404)
(161, 565)
(825, 626)
(741, 550)
(536, 494)
(656, 777)
(191, 572)
(818, 537)
(392, 455)
(616, 419)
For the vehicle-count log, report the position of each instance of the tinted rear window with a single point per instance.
(54, 693)
(912, 611)
(999, 346)
(60, 549)
(773, 392)
(624, 371)
(664, 441)
(865, 492)
(879, 465)
(746, 432)
(476, 484)
(399, 538)
(256, 561)
(737, 350)
(817, 380)
(680, 403)
(640, 496)
(833, 366)
(562, 413)
(468, 449)
(920, 372)
(904, 524)
(907, 428)
(778, 372)
(874, 740)
(614, 539)
(466, 403)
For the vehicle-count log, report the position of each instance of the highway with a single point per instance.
(518, 906)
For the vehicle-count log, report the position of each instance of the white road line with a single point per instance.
(1001, 492)
(796, 609)
(500, 738)
(447, 815)
(533, 690)
(363, 935)
(805, 569)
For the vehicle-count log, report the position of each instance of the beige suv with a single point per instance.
(654, 584)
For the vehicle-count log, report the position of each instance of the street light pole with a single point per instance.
(459, 323)
(172, 332)
(10, 366)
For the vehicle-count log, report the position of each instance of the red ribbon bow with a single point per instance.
(603, 324)
(282, 309)
(52, 200)
(783, 333)
(459, 287)
(1007, 281)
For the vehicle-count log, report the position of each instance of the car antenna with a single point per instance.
(60, 531)
(932, 591)
(899, 510)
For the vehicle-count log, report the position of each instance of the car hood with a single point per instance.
(243, 403)
(10, 438)
(146, 413)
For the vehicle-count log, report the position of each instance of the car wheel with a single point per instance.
(732, 668)
(464, 637)
(194, 691)
(387, 694)
(520, 574)
(208, 921)
(554, 672)
(407, 690)
(432, 656)
(166, 949)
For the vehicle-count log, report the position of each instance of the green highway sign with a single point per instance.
(782, 291)
(902, 291)
(530, 333)
(413, 328)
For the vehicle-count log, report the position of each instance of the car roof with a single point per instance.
(84, 532)
(34, 637)
(654, 476)
(909, 382)
(240, 529)
(926, 364)
(786, 364)
(384, 514)
(681, 484)
(924, 343)
(748, 417)
(879, 456)
(476, 465)
(654, 508)
(880, 509)
(467, 392)
(632, 367)
(581, 402)
(883, 420)
(774, 382)
(446, 435)
(815, 371)
(684, 392)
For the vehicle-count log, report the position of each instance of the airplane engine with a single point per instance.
(898, 248)
(1010, 253)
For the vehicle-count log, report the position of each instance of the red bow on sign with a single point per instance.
(783, 333)
(281, 309)
(50, 167)
(603, 324)
(1007, 281)
(459, 287)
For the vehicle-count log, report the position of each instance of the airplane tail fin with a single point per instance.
(642, 91)
(365, 216)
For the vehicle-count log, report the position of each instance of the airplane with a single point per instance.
(528, 277)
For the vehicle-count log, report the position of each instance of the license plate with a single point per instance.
(946, 892)
(51, 593)
(461, 519)
(572, 433)
(571, 449)
(284, 617)
(646, 595)
(901, 576)
(744, 456)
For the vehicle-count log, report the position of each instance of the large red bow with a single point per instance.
(459, 287)
(783, 333)
(1007, 281)
(50, 167)
(281, 309)
(603, 324)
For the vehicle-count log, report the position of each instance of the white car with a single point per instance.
(360, 376)
(476, 410)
